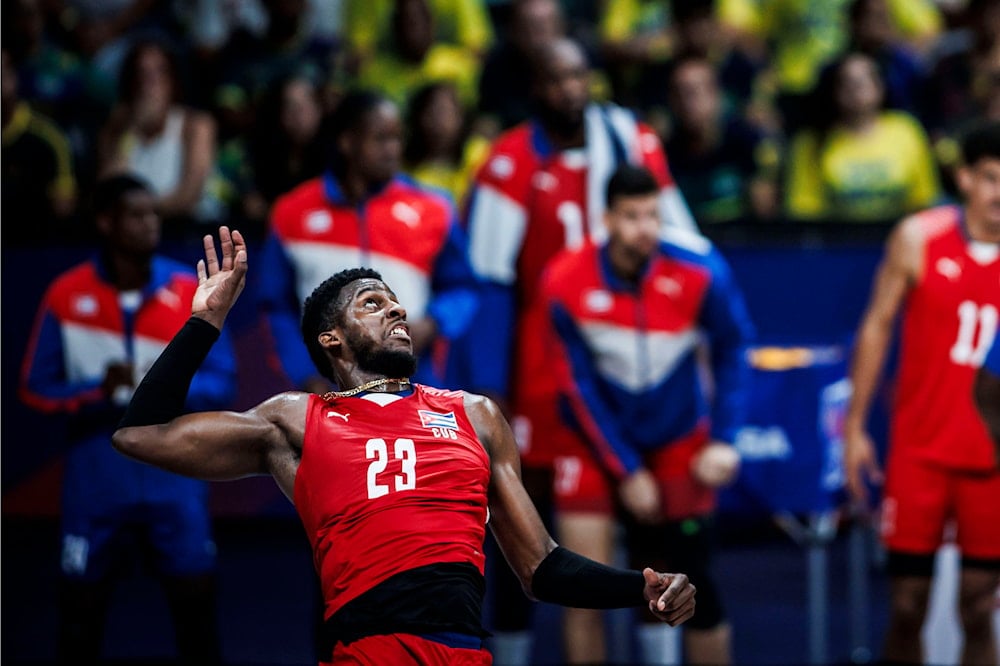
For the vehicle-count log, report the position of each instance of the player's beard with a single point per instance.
(393, 363)
(562, 124)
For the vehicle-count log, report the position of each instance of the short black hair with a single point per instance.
(108, 192)
(630, 181)
(323, 310)
(982, 141)
(352, 110)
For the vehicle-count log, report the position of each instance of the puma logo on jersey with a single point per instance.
(598, 300)
(406, 214)
(338, 415)
(949, 268)
(318, 221)
(668, 286)
(85, 305)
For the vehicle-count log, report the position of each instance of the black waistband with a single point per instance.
(445, 597)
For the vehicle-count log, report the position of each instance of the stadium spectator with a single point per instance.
(698, 31)
(100, 326)
(872, 32)
(39, 189)
(440, 150)
(413, 59)
(151, 134)
(104, 31)
(726, 169)
(859, 163)
(368, 26)
(804, 36)
(288, 145)
(56, 81)
(250, 64)
(503, 96)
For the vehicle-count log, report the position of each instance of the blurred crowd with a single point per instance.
(769, 110)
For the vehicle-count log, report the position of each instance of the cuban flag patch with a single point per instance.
(429, 419)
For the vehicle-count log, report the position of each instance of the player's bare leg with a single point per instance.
(708, 646)
(909, 595)
(977, 596)
(591, 535)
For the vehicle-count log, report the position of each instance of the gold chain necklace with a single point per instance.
(367, 386)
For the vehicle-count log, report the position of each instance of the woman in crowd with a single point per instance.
(858, 162)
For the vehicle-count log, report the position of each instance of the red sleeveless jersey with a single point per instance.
(389, 483)
(949, 324)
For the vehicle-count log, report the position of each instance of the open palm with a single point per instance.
(220, 284)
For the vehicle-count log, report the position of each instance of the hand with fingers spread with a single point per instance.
(220, 284)
(670, 596)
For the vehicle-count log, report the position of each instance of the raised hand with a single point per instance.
(670, 596)
(219, 285)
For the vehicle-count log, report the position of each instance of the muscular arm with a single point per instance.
(896, 275)
(515, 523)
(548, 572)
(220, 446)
(210, 445)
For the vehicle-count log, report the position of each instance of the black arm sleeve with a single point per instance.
(162, 392)
(568, 579)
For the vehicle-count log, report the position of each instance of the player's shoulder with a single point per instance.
(437, 392)
(901, 121)
(565, 267)
(306, 195)
(287, 409)
(79, 278)
(689, 242)
(407, 190)
(929, 224)
(511, 156)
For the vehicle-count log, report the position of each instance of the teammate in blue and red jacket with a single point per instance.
(99, 329)
(626, 322)
(364, 211)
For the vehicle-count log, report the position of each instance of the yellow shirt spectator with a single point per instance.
(806, 34)
(880, 175)
(398, 78)
(459, 22)
(454, 178)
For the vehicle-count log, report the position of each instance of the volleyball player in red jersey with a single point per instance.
(394, 482)
(942, 271)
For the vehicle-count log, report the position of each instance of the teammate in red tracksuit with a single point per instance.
(394, 481)
(942, 270)
(542, 190)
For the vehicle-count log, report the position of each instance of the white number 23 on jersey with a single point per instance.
(377, 451)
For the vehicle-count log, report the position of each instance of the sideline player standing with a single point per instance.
(99, 328)
(394, 482)
(364, 211)
(627, 317)
(941, 270)
(542, 190)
